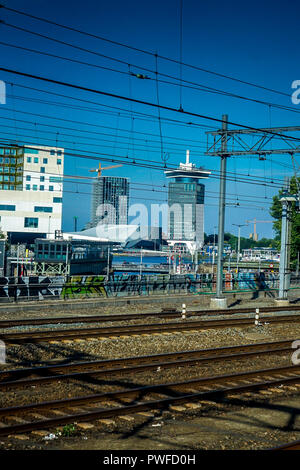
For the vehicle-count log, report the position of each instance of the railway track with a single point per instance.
(84, 370)
(48, 415)
(144, 329)
(290, 446)
(134, 316)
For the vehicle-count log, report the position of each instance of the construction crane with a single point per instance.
(99, 170)
(254, 222)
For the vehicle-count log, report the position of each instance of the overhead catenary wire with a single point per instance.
(195, 67)
(59, 134)
(140, 162)
(89, 180)
(117, 108)
(68, 179)
(94, 125)
(135, 161)
(232, 205)
(143, 102)
(251, 180)
(47, 116)
(108, 127)
(182, 83)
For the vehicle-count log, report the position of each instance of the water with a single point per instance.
(146, 259)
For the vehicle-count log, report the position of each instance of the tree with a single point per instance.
(275, 212)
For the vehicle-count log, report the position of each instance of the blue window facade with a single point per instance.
(31, 222)
(42, 209)
(7, 207)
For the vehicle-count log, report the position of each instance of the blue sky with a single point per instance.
(255, 42)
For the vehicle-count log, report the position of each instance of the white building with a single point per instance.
(31, 189)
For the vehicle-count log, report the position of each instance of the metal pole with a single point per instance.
(222, 209)
(108, 253)
(238, 250)
(141, 262)
(288, 249)
(239, 245)
(67, 261)
(283, 251)
(18, 260)
(75, 223)
(196, 261)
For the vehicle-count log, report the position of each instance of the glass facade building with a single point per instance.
(186, 209)
(11, 168)
(186, 204)
(110, 201)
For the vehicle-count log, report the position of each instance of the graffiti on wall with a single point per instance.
(37, 287)
(83, 286)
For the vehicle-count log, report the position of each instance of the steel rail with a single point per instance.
(295, 445)
(82, 371)
(150, 328)
(168, 393)
(134, 316)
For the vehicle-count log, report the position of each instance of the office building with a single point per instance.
(31, 190)
(186, 205)
(109, 201)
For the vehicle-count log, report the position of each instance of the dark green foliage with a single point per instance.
(275, 212)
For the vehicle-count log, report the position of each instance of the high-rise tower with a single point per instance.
(186, 205)
(110, 201)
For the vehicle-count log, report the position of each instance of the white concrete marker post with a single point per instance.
(256, 316)
(183, 316)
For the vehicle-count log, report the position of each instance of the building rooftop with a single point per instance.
(188, 170)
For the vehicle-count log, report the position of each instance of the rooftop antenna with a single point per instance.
(187, 157)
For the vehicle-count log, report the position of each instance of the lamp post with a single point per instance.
(239, 244)
(18, 259)
(108, 260)
(141, 261)
(215, 234)
(213, 251)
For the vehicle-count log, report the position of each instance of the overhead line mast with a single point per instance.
(241, 147)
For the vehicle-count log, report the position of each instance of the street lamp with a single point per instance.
(215, 234)
(213, 250)
(141, 261)
(239, 244)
